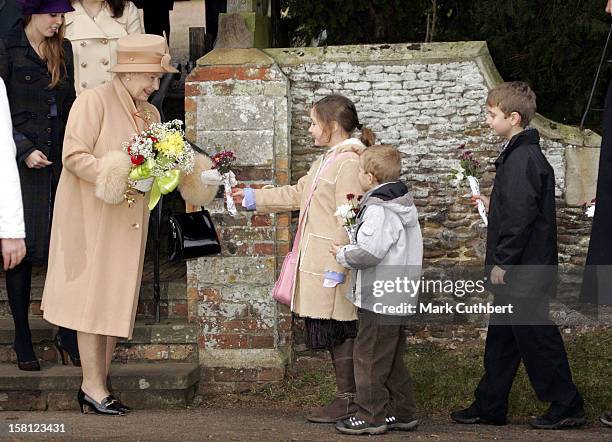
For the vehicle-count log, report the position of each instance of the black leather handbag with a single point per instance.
(192, 235)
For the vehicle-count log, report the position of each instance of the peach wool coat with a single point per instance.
(97, 241)
(320, 229)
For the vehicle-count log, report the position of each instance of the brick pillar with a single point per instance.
(237, 99)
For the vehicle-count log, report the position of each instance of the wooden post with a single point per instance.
(197, 43)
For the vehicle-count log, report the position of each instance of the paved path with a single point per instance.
(266, 425)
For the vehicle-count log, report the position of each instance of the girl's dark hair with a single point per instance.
(117, 6)
(52, 51)
(342, 110)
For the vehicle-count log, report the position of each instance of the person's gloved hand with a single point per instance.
(144, 185)
(211, 177)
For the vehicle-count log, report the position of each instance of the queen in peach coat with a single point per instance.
(97, 240)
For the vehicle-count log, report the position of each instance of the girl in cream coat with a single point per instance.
(93, 28)
(319, 290)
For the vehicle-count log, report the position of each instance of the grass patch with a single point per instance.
(445, 378)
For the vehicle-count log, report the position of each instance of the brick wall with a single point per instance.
(426, 99)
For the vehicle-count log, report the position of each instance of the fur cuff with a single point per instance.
(111, 183)
(192, 189)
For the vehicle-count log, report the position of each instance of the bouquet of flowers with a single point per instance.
(590, 208)
(471, 169)
(222, 162)
(158, 155)
(348, 213)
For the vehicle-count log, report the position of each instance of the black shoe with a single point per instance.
(407, 425)
(355, 426)
(555, 420)
(65, 354)
(120, 405)
(606, 418)
(107, 406)
(28, 366)
(26, 359)
(471, 415)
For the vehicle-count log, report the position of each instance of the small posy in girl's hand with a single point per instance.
(222, 162)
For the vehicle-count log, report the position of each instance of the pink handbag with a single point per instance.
(283, 288)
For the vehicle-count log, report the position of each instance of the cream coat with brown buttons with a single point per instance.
(97, 249)
(320, 229)
(94, 43)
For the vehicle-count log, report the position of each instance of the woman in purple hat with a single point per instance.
(36, 65)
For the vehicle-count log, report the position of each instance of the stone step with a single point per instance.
(139, 385)
(173, 299)
(170, 340)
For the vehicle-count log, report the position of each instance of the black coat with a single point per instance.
(522, 230)
(39, 116)
(597, 282)
(10, 14)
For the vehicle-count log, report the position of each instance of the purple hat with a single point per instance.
(29, 7)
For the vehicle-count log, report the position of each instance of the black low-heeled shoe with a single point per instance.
(32, 365)
(65, 354)
(120, 405)
(107, 406)
(28, 366)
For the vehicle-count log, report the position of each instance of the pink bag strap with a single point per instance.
(328, 162)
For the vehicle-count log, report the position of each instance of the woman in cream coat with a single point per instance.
(12, 227)
(93, 28)
(98, 240)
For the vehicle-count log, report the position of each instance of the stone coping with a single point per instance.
(401, 53)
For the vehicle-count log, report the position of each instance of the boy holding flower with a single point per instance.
(521, 256)
(387, 244)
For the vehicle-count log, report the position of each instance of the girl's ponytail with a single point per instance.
(367, 136)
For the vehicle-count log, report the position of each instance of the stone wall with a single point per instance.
(425, 98)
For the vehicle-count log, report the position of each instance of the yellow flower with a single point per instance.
(171, 145)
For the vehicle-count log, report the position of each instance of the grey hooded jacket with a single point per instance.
(388, 253)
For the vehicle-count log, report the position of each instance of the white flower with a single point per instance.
(459, 176)
(590, 211)
(345, 211)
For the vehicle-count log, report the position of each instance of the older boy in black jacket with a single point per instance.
(522, 258)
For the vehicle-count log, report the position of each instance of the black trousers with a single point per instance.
(18, 287)
(156, 16)
(540, 346)
(384, 384)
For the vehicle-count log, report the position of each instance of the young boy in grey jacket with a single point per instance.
(387, 255)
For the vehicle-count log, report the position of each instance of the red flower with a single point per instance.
(350, 196)
(359, 197)
(137, 160)
(461, 146)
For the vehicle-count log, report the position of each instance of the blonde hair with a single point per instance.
(383, 161)
(514, 96)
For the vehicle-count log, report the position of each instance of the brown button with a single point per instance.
(84, 84)
(131, 58)
(84, 64)
(105, 62)
(136, 226)
(49, 130)
(83, 43)
(103, 82)
(104, 41)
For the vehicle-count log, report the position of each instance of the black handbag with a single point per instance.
(192, 235)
